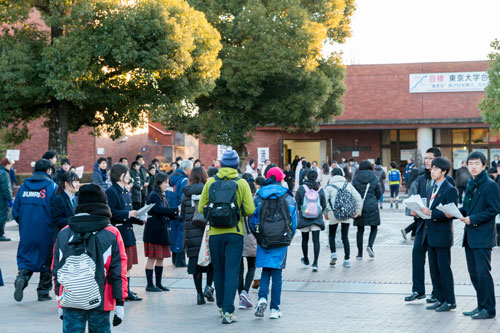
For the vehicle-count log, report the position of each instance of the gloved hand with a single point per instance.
(119, 315)
(60, 313)
(11, 203)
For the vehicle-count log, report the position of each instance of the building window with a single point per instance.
(408, 136)
(461, 136)
(479, 135)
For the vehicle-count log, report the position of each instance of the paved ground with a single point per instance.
(367, 297)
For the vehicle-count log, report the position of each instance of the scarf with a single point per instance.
(472, 186)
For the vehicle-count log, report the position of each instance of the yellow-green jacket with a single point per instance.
(243, 196)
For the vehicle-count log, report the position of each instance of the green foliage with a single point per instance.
(273, 69)
(490, 104)
(113, 64)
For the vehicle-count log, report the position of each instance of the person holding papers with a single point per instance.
(481, 205)
(156, 235)
(438, 235)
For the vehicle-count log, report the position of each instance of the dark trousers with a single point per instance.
(345, 238)
(418, 263)
(74, 321)
(441, 274)
(44, 285)
(226, 251)
(246, 281)
(371, 238)
(316, 245)
(2, 227)
(461, 191)
(479, 266)
(265, 279)
(412, 227)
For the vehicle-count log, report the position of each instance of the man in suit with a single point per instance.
(422, 184)
(438, 235)
(481, 205)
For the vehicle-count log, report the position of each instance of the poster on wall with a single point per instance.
(459, 155)
(100, 151)
(13, 154)
(220, 150)
(263, 155)
(493, 152)
(407, 154)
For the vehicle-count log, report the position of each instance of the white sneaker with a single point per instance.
(261, 307)
(242, 305)
(347, 263)
(275, 314)
(333, 259)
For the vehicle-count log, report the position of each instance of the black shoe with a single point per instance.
(200, 299)
(305, 261)
(153, 289)
(19, 285)
(446, 307)
(434, 306)
(414, 296)
(133, 297)
(162, 287)
(44, 297)
(209, 294)
(4, 239)
(483, 314)
(431, 299)
(471, 313)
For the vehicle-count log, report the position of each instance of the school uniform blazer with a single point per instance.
(438, 230)
(485, 205)
(62, 210)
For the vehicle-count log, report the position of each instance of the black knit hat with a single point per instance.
(91, 193)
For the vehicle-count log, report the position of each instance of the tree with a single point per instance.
(273, 69)
(106, 64)
(490, 104)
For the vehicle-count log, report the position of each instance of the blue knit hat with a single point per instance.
(230, 159)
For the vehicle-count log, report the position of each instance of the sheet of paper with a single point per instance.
(450, 209)
(142, 213)
(415, 203)
(79, 171)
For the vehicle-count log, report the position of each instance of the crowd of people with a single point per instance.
(221, 217)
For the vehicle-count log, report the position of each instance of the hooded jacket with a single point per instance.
(331, 195)
(32, 211)
(272, 258)
(370, 214)
(91, 228)
(380, 173)
(178, 180)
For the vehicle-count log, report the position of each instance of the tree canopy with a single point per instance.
(106, 64)
(273, 72)
(490, 104)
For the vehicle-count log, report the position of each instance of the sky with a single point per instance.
(405, 31)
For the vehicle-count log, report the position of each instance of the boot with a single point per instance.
(174, 258)
(23, 276)
(158, 274)
(209, 294)
(44, 286)
(200, 299)
(150, 286)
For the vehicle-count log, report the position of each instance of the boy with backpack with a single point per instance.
(90, 266)
(343, 204)
(273, 223)
(225, 200)
(394, 177)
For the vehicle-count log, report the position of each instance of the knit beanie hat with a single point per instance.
(276, 173)
(91, 193)
(230, 159)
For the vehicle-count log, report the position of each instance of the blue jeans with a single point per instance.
(226, 251)
(176, 235)
(265, 279)
(74, 321)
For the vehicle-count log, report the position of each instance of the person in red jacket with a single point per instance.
(90, 247)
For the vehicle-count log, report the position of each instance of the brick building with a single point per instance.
(392, 111)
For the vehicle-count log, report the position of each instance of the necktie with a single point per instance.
(73, 201)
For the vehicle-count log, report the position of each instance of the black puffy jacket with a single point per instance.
(193, 233)
(370, 214)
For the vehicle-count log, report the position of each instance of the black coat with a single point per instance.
(438, 231)
(156, 230)
(144, 179)
(370, 214)
(193, 232)
(135, 177)
(485, 205)
(120, 203)
(299, 198)
(62, 210)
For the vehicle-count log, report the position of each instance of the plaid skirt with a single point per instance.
(132, 259)
(156, 250)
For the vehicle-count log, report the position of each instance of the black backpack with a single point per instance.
(223, 210)
(275, 223)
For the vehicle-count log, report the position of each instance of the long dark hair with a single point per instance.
(69, 177)
(325, 168)
(198, 175)
(312, 175)
(160, 177)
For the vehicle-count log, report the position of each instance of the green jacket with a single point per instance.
(244, 196)
(5, 193)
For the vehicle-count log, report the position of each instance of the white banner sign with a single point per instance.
(263, 154)
(13, 154)
(100, 151)
(220, 150)
(448, 82)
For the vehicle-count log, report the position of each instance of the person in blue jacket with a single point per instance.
(178, 180)
(272, 261)
(32, 211)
